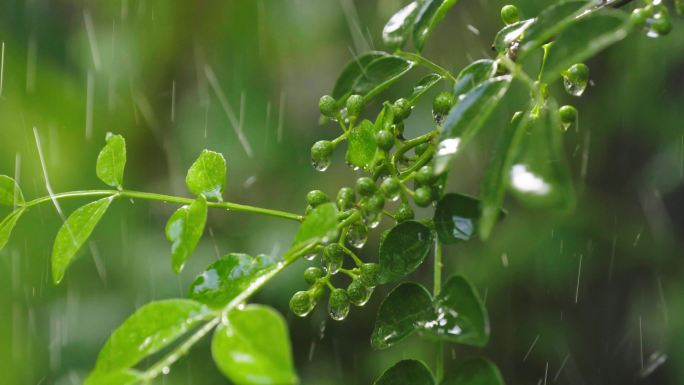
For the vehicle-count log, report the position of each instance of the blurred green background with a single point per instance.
(595, 297)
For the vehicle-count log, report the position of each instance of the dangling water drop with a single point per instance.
(574, 89)
(357, 234)
(371, 218)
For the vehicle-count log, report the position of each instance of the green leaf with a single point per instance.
(430, 14)
(403, 250)
(7, 225)
(406, 372)
(207, 176)
(253, 348)
(459, 315)
(550, 22)
(73, 233)
(118, 377)
(320, 225)
(473, 75)
(380, 74)
(509, 34)
(539, 176)
(184, 230)
(10, 193)
(362, 145)
(456, 218)
(111, 161)
(224, 279)
(423, 86)
(150, 329)
(466, 118)
(354, 70)
(496, 174)
(400, 314)
(474, 371)
(583, 39)
(398, 28)
(385, 118)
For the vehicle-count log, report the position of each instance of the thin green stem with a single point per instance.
(409, 144)
(436, 288)
(420, 60)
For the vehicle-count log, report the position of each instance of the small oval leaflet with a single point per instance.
(73, 233)
(351, 73)
(184, 230)
(361, 145)
(207, 175)
(474, 371)
(252, 347)
(473, 75)
(403, 250)
(456, 218)
(10, 193)
(406, 372)
(320, 225)
(112, 160)
(400, 314)
(398, 28)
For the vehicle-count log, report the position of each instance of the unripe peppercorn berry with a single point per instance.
(578, 73)
(568, 114)
(423, 196)
(301, 303)
(639, 16)
(334, 255)
(662, 25)
(354, 105)
(390, 187)
(443, 103)
(328, 106)
(425, 175)
(365, 186)
(370, 274)
(401, 109)
(384, 139)
(510, 14)
(404, 213)
(345, 198)
(321, 152)
(338, 304)
(311, 274)
(357, 293)
(316, 198)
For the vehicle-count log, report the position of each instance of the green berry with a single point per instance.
(399, 129)
(354, 105)
(328, 106)
(301, 303)
(423, 196)
(365, 186)
(384, 139)
(568, 114)
(370, 274)
(390, 187)
(345, 198)
(338, 304)
(443, 103)
(321, 153)
(376, 202)
(316, 198)
(577, 74)
(312, 274)
(334, 257)
(510, 14)
(662, 25)
(358, 293)
(425, 175)
(639, 16)
(401, 109)
(404, 213)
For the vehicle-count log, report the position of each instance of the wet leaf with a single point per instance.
(10, 193)
(207, 176)
(424, 85)
(150, 329)
(473, 75)
(400, 314)
(7, 225)
(550, 22)
(252, 347)
(403, 250)
(539, 176)
(583, 39)
(73, 233)
(398, 28)
(362, 145)
(224, 279)
(184, 230)
(111, 161)
(406, 372)
(118, 377)
(456, 218)
(320, 225)
(430, 14)
(459, 315)
(354, 70)
(509, 34)
(466, 118)
(474, 371)
(380, 74)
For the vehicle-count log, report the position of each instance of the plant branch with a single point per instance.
(420, 60)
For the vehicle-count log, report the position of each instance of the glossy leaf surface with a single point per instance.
(430, 14)
(423, 86)
(466, 118)
(207, 176)
(473, 75)
(7, 225)
(224, 279)
(253, 347)
(456, 218)
(550, 22)
(362, 146)
(380, 74)
(510, 34)
(184, 230)
(474, 371)
(403, 250)
(320, 225)
(73, 233)
(150, 329)
(354, 70)
(398, 28)
(400, 314)
(10, 193)
(118, 377)
(111, 161)
(406, 372)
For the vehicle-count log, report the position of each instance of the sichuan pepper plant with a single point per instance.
(250, 342)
